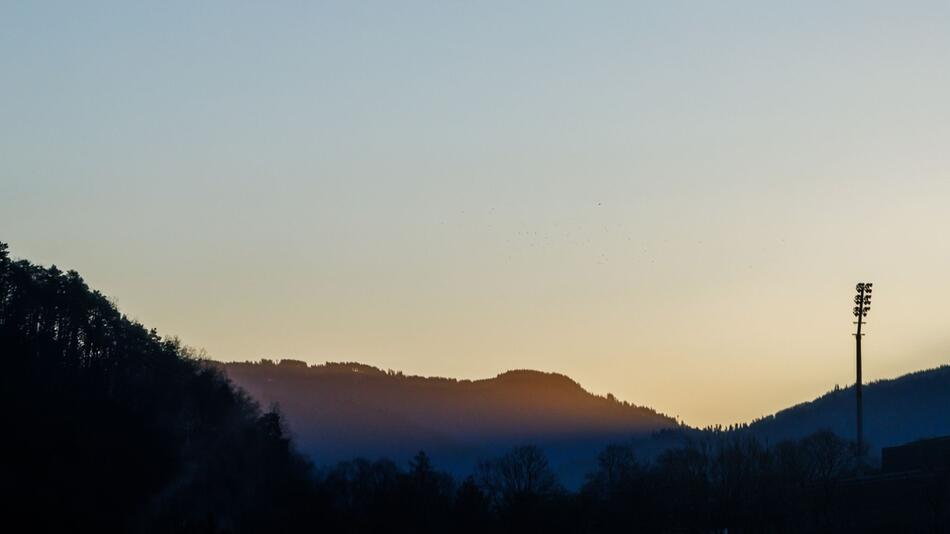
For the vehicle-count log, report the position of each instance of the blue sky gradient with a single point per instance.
(669, 201)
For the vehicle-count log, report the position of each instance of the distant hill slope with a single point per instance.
(340, 410)
(896, 411)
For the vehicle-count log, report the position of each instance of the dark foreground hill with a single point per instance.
(109, 428)
(340, 410)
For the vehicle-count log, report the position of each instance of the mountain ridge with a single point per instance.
(912, 406)
(339, 410)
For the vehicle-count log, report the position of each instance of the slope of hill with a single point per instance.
(340, 410)
(910, 407)
(109, 428)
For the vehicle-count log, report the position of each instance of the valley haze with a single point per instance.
(341, 410)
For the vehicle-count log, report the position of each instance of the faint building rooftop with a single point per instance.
(923, 455)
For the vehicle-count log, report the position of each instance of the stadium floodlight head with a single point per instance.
(862, 299)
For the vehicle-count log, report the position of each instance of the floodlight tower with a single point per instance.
(862, 305)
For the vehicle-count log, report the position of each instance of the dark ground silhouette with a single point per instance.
(110, 428)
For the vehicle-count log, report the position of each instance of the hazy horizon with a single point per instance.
(670, 203)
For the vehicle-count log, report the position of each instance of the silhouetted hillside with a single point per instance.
(339, 410)
(109, 428)
(910, 407)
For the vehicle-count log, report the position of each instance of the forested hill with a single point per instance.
(110, 428)
(339, 410)
(896, 411)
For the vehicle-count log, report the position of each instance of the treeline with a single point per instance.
(302, 368)
(108, 427)
(722, 482)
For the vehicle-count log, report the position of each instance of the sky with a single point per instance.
(668, 201)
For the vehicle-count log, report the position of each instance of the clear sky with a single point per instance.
(669, 201)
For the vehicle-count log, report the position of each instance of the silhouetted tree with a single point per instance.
(429, 495)
(618, 493)
(472, 510)
(521, 474)
(522, 487)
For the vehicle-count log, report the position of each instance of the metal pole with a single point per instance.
(863, 305)
(857, 382)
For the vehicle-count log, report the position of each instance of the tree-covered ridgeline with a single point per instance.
(109, 427)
